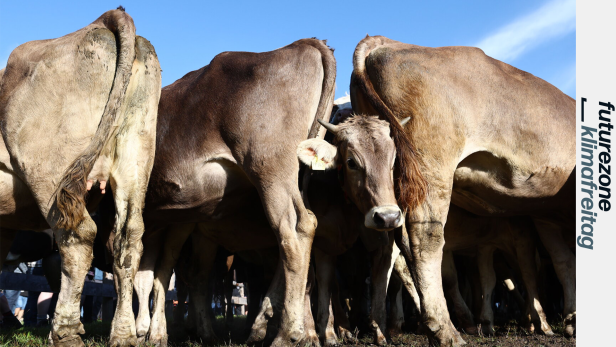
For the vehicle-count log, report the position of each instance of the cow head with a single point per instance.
(364, 155)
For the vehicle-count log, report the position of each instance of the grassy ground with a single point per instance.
(97, 335)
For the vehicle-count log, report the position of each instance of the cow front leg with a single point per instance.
(396, 315)
(75, 248)
(294, 226)
(200, 267)
(174, 240)
(311, 339)
(325, 265)
(451, 287)
(485, 261)
(143, 283)
(564, 264)
(422, 247)
(382, 266)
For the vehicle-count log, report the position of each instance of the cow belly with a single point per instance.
(18, 209)
(205, 193)
(491, 186)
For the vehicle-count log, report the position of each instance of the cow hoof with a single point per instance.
(347, 336)
(446, 336)
(569, 331)
(257, 334)
(68, 341)
(393, 332)
(158, 341)
(68, 335)
(471, 330)
(548, 332)
(487, 329)
(570, 325)
(284, 340)
(331, 342)
(311, 340)
(380, 339)
(123, 341)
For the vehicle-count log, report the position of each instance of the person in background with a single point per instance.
(7, 319)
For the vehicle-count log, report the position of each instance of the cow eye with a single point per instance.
(352, 164)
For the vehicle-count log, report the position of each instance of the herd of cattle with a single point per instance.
(445, 150)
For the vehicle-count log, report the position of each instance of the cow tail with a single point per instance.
(71, 190)
(326, 101)
(411, 186)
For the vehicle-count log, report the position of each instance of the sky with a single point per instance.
(535, 36)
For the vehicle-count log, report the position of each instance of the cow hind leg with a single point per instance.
(76, 256)
(127, 249)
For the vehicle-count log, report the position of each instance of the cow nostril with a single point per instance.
(387, 219)
(379, 219)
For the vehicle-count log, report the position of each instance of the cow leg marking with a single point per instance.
(451, 287)
(174, 240)
(485, 260)
(382, 266)
(144, 280)
(76, 256)
(325, 280)
(422, 247)
(564, 264)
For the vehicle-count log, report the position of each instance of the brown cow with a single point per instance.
(75, 110)
(483, 135)
(362, 139)
(226, 159)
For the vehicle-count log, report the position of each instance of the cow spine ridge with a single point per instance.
(71, 190)
(326, 101)
(411, 187)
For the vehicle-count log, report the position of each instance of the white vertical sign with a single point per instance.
(596, 163)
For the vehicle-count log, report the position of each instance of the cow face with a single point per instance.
(364, 154)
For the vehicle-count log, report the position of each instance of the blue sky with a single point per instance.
(535, 36)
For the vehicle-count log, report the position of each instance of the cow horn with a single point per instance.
(405, 120)
(332, 128)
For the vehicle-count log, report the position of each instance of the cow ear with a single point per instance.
(317, 154)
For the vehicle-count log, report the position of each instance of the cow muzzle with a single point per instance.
(383, 218)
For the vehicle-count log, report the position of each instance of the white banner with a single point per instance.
(596, 208)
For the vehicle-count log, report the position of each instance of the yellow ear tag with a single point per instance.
(318, 164)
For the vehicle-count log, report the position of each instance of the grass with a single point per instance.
(507, 335)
